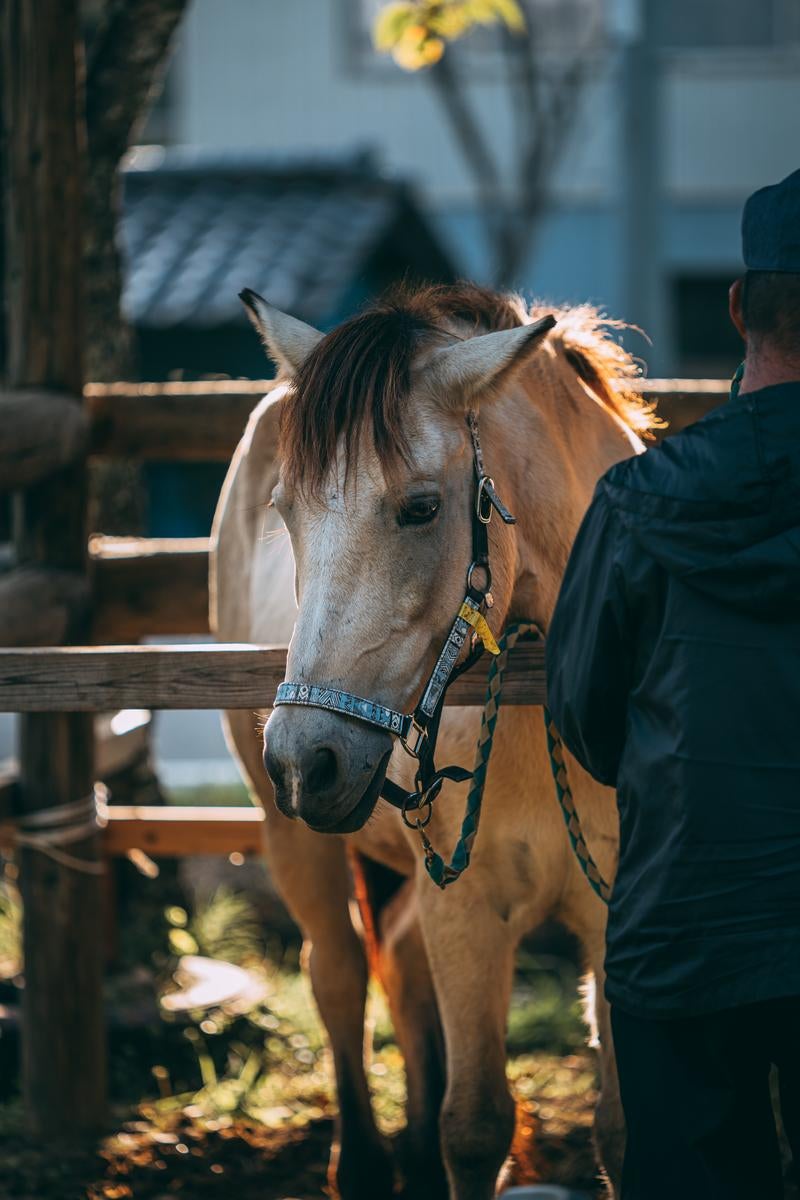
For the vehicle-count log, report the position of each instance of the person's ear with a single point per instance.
(735, 294)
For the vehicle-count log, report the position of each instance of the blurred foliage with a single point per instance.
(270, 1063)
(10, 925)
(215, 795)
(416, 32)
(226, 926)
(545, 1010)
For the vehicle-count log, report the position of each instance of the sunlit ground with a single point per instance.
(232, 1099)
(260, 1121)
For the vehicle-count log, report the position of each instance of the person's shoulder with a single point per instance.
(685, 466)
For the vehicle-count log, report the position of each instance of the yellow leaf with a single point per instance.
(176, 915)
(432, 51)
(483, 12)
(182, 942)
(510, 11)
(450, 22)
(414, 52)
(391, 23)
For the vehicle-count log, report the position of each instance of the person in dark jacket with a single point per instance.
(673, 663)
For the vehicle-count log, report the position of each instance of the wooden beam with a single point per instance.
(172, 831)
(173, 421)
(204, 421)
(40, 606)
(681, 402)
(175, 832)
(63, 1035)
(95, 679)
(41, 431)
(700, 389)
(148, 586)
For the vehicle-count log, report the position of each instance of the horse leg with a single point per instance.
(388, 905)
(361, 1165)
(311, 873)
(471, 952)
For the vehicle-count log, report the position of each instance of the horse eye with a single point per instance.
(418, 511)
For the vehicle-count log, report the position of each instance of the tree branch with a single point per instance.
(125, 70)
(477, 154)
(543, 115)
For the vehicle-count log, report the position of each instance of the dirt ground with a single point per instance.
(157, 1155)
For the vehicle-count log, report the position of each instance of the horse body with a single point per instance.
(373, 612)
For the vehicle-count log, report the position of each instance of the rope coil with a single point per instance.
(48, 830)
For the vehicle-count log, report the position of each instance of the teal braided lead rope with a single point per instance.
(442, 873)
(569, 812)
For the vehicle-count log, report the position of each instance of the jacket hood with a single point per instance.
(718, 505)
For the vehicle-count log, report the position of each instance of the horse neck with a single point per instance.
(551, 439)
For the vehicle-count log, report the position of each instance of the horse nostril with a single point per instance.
(322, 770)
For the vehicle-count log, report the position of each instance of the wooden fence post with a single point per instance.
(63, 1029)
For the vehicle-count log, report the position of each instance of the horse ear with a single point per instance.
(480, 366)
(286, 340)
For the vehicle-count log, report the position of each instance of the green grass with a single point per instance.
(271, 1063)
(222, 795)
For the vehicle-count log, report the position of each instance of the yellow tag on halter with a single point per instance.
(478, 623)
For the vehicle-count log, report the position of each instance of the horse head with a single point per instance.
(377, 491)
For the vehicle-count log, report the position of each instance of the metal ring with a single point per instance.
(418, 822)
(482, 567)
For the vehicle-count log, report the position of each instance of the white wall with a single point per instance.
(730, 127)
(277, 77)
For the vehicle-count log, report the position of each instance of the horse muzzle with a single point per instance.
(325, 771)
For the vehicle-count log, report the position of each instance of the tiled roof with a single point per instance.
(197, 229)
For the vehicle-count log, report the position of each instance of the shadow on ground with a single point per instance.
(152, 1157)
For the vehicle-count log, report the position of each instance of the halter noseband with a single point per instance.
(418, 731)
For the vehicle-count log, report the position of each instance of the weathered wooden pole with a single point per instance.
(63, 1031)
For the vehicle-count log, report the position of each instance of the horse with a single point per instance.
(361, 450)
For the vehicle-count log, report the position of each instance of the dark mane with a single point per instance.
(361, 371)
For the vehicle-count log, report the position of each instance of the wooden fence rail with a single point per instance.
(172, 831)
(97, 679)
(204, 421)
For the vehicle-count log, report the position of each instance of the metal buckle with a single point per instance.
(413, 751)
(483, 502)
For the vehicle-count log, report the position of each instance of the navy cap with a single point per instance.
(771, 227)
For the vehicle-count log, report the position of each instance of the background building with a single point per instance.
(645, 204)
